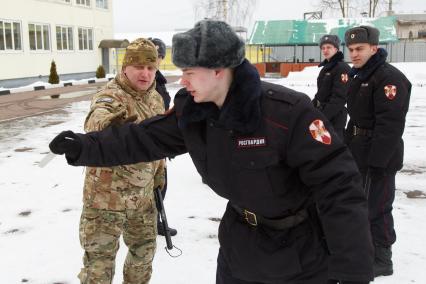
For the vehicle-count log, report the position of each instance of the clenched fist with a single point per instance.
(68, 143)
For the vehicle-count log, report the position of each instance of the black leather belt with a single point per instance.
(279, 224)
(358, 131)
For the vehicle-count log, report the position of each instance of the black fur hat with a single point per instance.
(362, 34)
(210, 44)
(161, 46)
(330, 39)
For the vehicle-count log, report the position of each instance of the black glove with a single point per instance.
(68, 143)
(346, 282)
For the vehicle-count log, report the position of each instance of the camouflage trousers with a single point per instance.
(100, 232)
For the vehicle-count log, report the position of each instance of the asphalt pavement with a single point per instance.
(19, 105)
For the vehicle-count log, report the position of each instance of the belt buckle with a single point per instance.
(250, 217)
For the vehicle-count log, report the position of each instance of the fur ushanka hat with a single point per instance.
(210, 44)
(362, 34)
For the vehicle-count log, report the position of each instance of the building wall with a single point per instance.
(403, 31)
(29, 63)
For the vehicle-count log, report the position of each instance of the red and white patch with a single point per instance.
(390, 91)
(344, 77)
(319, 132)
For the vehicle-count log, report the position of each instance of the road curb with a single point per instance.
(44, 87)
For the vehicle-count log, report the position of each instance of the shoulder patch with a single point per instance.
(319, 132)
(104, 100)
(390, 91)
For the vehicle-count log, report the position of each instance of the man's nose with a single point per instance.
(144, 72)
(183, 82)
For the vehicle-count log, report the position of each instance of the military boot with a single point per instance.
(383, 261)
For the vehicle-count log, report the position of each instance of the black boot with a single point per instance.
(383, 261)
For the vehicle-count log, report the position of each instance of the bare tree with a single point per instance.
(372, 7)
(234, 12)
(353, 8)
(333, 5)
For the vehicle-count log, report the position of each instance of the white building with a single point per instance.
(35, 32)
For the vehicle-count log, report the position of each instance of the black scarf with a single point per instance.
(329, 64)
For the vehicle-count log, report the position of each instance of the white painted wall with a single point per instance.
(403, 31)
(29, 63)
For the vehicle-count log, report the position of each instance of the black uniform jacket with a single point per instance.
(378, 100)
(332, 83)
(160, 87)
(259, 151)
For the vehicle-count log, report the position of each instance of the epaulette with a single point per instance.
(281, 93)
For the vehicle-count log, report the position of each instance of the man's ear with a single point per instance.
(219, 72)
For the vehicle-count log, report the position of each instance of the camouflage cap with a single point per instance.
(141, 52)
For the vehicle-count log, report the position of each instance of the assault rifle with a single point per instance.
(162, 212)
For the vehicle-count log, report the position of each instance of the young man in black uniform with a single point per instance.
(332, 84)
(160, 87)
(296, 211)
(378, 102)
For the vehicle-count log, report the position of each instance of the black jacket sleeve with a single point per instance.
(390, 111)
(338, 96)
(151, 140)
(329, 171)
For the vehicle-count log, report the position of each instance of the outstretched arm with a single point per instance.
(154, 139)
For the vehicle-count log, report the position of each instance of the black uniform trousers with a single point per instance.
(380, 199)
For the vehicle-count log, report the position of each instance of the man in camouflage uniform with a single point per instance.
(120, 200)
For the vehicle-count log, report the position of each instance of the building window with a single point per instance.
(10, 35)
(85, 39)
(64, 38)
(83, 2)
(39, 36)
(102, 4)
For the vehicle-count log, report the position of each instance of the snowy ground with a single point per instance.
(40, 207)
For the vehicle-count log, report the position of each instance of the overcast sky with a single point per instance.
(168, 15)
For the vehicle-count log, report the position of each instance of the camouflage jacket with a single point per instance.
(129, 186)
